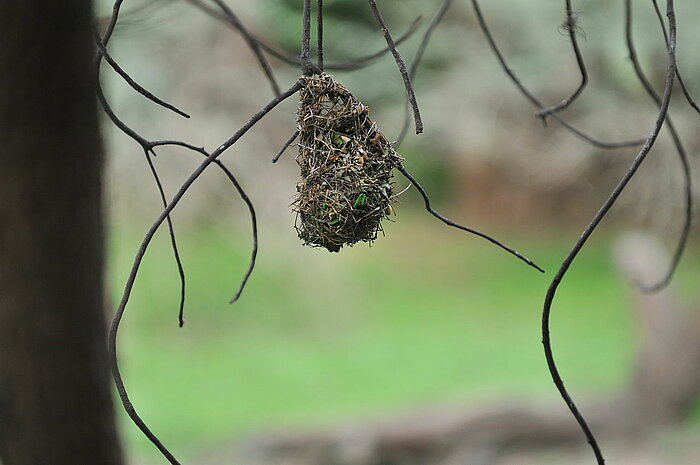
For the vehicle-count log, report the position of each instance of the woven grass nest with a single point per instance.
(346, 168)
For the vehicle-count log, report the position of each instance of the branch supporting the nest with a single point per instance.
(286, 145)
(442, 9)
(399, 62)
(678, 144)
(449, 222)
(570, 27)
(306, 67)
(534, 100)
(114, 328)
(319, 34)
(578, 245)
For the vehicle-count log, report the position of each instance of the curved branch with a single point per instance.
(685, 90)
(447, 221)
(677, 142)
(147, 149)
(534, 100)
(116, 7)
(244, 196)
(578, 245)
(252, 44)
(114, 328)
(570, 27)
(128, 79)
(173, 240)
(367, 60)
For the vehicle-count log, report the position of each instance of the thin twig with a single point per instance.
(442, 9)
(128, 407)
(677, 142)
(432, 211)
(399, 62)
(685, 90)
(147, 148)
(319, 34)
(173, 240)
(114, 329)
(578, 245)
(285, 146)
(367, 60)
(252, 44)
(129, 80)
(246, 199)
(294, 59)
(534, 100)
(570, 26)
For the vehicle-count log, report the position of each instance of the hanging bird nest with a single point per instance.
(346, 168)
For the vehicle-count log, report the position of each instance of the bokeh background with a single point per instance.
(427, 317)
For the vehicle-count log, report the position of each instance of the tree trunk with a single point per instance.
(55, 400)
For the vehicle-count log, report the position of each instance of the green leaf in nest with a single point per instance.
(361, 200)
(337, 140)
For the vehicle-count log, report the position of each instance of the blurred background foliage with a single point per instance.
(427, 315)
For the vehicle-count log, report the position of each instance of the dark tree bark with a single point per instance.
(55, 400)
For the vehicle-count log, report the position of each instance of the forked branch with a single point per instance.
(570, 27)
(533, 99)
(114, 328)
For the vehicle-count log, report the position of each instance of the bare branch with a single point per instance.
(251, 209)
(442, 9)
(252, 44)
(294, 59)
(685, 90)
(534, 100)
(447, 221)
(570, 27)
(134, 85)
(605, 208)
(306, 67)
(677, 142)
(319, 34)
(285, 146)
(116, 7)
(147, 149)
(112, 340)
(399, 62)
(173, 240)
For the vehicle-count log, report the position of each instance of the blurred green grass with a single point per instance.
(425, 316)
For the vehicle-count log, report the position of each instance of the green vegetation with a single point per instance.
(425, 316)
